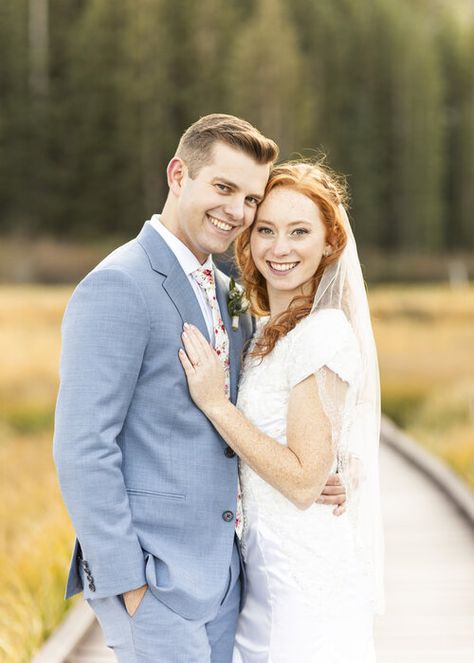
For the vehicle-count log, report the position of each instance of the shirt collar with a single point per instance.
(186, 258)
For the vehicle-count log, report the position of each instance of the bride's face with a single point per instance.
(287, 240)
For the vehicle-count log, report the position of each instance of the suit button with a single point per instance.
(228, 516)
(230, 453)
(92, 587)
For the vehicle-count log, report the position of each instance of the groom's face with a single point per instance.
(220, 201)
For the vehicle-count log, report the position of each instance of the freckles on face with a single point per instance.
(288, 239)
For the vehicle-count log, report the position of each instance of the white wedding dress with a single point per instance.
(308, 597)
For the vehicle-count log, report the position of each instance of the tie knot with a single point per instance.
(204, 277)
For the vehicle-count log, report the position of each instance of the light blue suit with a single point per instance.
(150, 485)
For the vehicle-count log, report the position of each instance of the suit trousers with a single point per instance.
(157, 634)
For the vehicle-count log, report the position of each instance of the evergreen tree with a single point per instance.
(268, 79)
(414, 173)
(457, 48)
(94, 95)
(340, 51)
(97, 199)
(16, 208)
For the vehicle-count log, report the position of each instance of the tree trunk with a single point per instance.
(38, 31)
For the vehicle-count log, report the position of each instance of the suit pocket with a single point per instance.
(167, 496)
(139, 607)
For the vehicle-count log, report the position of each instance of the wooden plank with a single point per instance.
(429, 571)
(92, 649)
(66, 637)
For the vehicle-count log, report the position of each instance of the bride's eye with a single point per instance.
(300, 231)
(264, 231)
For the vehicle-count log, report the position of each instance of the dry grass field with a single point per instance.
(425, 337)
(35, 534)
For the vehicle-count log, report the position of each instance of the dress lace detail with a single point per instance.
(317, 547)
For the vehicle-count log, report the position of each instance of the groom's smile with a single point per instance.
(223, 226)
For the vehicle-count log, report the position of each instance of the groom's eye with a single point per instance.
(223, 187)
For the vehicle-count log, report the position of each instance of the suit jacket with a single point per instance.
(149, 484)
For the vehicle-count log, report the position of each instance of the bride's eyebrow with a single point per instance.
(293, 223)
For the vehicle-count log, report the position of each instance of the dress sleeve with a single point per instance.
(324, 339)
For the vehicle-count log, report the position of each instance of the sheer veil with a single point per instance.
(342, 287)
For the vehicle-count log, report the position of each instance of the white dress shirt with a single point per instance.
(188, 263)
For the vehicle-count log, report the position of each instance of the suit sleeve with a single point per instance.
(104, 336)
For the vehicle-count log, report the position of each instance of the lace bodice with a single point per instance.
(319, 342)
(322, 344)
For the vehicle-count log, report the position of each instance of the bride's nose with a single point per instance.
(281, 247)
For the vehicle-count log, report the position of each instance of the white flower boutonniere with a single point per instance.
(237, 303)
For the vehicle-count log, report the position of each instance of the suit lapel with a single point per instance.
(177, 286)
(179, 289)
(176, 283)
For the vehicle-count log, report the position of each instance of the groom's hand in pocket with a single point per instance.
(133, 598)
(334, 492)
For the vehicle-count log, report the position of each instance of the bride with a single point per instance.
(308, 405)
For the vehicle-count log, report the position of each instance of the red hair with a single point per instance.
(327, 191)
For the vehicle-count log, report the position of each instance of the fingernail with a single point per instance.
(186, 325)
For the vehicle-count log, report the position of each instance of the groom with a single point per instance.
(150, 485)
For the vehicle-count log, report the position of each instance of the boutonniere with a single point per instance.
(237, 303)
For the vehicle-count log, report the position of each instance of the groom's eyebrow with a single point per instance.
(223, 180)
(233, 185)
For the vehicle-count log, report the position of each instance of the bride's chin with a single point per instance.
(282, 287)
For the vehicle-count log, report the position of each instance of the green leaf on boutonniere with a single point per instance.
(237, 303)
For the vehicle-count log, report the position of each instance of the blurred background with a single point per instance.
(94, 95)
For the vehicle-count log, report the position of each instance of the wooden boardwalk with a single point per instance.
(429, 572)
(429, 576)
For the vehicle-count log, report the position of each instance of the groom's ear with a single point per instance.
(175, 174)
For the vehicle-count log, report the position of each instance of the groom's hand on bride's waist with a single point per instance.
(133, 598)
(334, 492)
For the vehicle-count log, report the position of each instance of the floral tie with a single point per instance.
(205, 279)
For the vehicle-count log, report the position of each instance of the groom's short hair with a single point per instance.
(195, 146)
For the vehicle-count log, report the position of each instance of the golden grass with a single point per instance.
(30, 319)
(35, 532)
(34, 547)
(425, 337)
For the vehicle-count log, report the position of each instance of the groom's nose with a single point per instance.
(235, 208)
